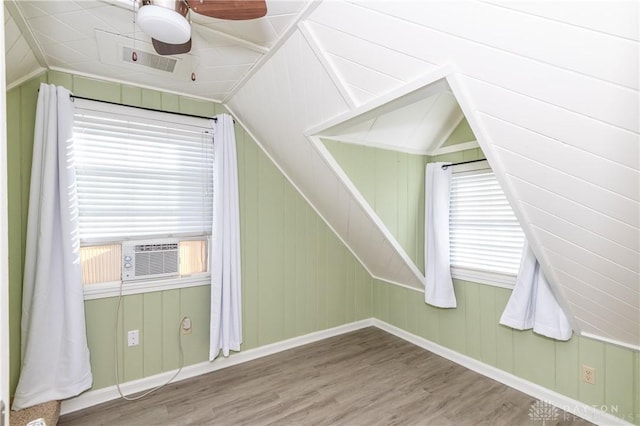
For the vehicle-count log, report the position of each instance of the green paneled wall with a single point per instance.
(472, 329)
(382, 177)
(297, 276)
(392, 182)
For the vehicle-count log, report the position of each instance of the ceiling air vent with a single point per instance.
(147, 59)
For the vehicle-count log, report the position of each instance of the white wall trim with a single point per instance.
(316, 142)
(91, 398)
(35, 73)
(610, 341)
(317, 49)
(570, 405)
(580, 409)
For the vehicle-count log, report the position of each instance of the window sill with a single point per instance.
(112, 289)
(484, 277)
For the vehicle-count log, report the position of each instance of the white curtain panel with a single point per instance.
(55, 355)
(438, 283)
(226, 313)
(532, 305)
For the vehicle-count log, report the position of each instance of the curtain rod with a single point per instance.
(145, 108)
(445, 166)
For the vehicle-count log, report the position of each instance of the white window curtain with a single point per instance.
(226, 314)
(438, 283)
(55, 355)
(532, 305)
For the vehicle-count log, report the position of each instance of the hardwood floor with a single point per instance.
(367, 377)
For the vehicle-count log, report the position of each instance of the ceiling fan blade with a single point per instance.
(171, 49)
(235, 10)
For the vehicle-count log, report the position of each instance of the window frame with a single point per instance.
(120, 287)
(486, 277)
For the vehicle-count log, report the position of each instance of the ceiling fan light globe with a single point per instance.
(163, 24)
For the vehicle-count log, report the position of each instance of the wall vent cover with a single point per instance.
(150, 60)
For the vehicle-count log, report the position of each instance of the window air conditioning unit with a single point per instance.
(150, 259)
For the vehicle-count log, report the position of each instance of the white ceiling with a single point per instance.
(550, 89)
(63, 35)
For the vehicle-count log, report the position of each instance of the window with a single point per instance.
(486, 239)
(141, 175)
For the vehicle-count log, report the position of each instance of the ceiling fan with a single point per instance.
(165, 21)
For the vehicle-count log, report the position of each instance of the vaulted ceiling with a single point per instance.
(550, 89)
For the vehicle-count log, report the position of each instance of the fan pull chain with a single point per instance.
(134, 54)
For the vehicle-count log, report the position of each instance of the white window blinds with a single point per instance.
(141, 173)
(484, 232)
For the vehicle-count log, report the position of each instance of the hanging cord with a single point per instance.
(129, 398)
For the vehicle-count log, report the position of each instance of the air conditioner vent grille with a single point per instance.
(150, 259)
(150, 60)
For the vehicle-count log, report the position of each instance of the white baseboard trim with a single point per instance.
(91, 398)
(580, 409)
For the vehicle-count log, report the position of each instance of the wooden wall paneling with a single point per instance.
(289, 255)
(322, 276)
(101, 334)
(336, 303)
(170, 102)
(402, 179)
(96, 89)
(132, 96)
(386, 189)
(397, 306)
(302, 278)
(592, 354)
(270, 248)
(364, 288)
(415, 210)
(570, 187)
(371, 55)
(133, 319)
(594, 279)
(529, 36)
(504, 335)
(15, 234)
(170, 318)
(619, 18)
(415, 306)
(534, 358)
(196, 107)
(152, 333)
(573, 129)
(578, 254)
(590, 241)
(452, 321)
(473, 326)
(151, 99)
(488, 324)
(195, 303)
(596, 170)
(249, 219)
(571, 90)
(312, 266)
(60, 79)
(567, 368)
(578, 214)
(619, 381)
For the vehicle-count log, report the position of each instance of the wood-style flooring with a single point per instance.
(367, 377)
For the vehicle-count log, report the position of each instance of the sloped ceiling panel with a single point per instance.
(19, 57)
(287, 96)
(551, 91)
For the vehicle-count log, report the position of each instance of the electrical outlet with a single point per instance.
(588, 374)
(133, 337)
(186, 326)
